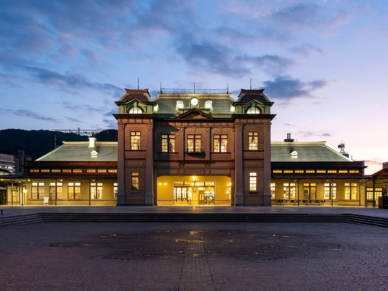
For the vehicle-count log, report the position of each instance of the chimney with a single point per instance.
(92, 141)
(288, 139)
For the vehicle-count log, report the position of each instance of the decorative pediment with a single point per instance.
(195, 114)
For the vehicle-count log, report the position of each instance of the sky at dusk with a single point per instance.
(323, 63)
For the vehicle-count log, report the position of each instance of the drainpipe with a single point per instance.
(89, 192)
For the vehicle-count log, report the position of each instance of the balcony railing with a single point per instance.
(193, 91)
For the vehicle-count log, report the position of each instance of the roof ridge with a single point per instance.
(49, 153)
(338, 153)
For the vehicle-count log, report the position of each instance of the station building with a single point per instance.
(189, 147)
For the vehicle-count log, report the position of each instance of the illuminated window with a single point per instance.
(135, 180)
(135, 140)
(289, 190)
(330, 190)
(194, 143)
(179, 105)
(252, 181)
(299, 171)
(321, 171)
(288, 171)
(74, 190)
(96, 190)
(208, 104)
(369, 193)
(253, 137)
(253, 110)
(168, 143)
(135, 110)
(309, 191)
(343, 171)
(354, 171)
(228, 190)
(273, 191)
(101, 170)
(350, 191)
(37, 191)
(112, 170)
(77, 170)
(34, 171)
(220, 143)
(310, 171)
(55, 171)
(45, 171)
(115, 187)
(52, 191)
(66, 171)
(91, 170)
(277, 171)
(332, 171)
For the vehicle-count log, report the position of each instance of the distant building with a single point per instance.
(7, 164)
(21, 162)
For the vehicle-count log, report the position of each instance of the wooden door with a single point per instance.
(201, 197)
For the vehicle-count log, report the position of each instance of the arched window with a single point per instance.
(253, 110)
(208, 104)
(179, 104)
(135, 110)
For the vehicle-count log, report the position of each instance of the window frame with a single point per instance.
(255, 135)
(75, 186)
(135, 177)
(56, 187)
(253, 107)
(352, 194)
(39, 190)
(166, 147)
(252, 181)
(220, 138)
(287, 187)
(98, 190)
(195, 138)
(137, 108)
(134, 136)
(332, 188)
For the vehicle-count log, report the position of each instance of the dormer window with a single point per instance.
(135, 110)
(253, 110)
(179, 104)
(208, 104)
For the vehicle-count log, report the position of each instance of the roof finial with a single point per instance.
(227, 88)
(194, 87)
(250, 84)
(137, 83)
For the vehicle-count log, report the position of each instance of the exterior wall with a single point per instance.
(165, 188)
(107, 198)
(340, 195)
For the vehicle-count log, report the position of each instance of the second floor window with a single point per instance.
(253, 140)
(194, 143)
(220, 143)
(252, 181)
(135, 140)
(168, 143)
(135, 181)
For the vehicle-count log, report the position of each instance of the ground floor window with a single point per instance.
(350, 191)
(135, 181)
(74, 190)
(37, 190)
(185, 191)
(115, 187)
(369, 193)
(310, 191)
(330, 191)
(95, 190)
(252, 181)
(289, 191)
(58, 191)
(273, 191)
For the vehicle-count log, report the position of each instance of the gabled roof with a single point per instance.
(195, 114)
(306, 152)
(80, 152)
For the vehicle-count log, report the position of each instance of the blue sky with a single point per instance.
(323, 63)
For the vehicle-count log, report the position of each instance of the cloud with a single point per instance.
(311, 133)
(306, 49)
(29, 114)
(74, 120)
(288, 124)
(73, 81)
(287, 88)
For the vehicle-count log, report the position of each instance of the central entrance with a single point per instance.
(192, 190)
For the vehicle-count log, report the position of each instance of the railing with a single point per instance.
(193, 91)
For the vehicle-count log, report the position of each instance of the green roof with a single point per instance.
(280, 152)
(305, 152)
(80, 152)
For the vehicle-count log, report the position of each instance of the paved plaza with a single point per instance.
(20, 210)
(192, 256)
